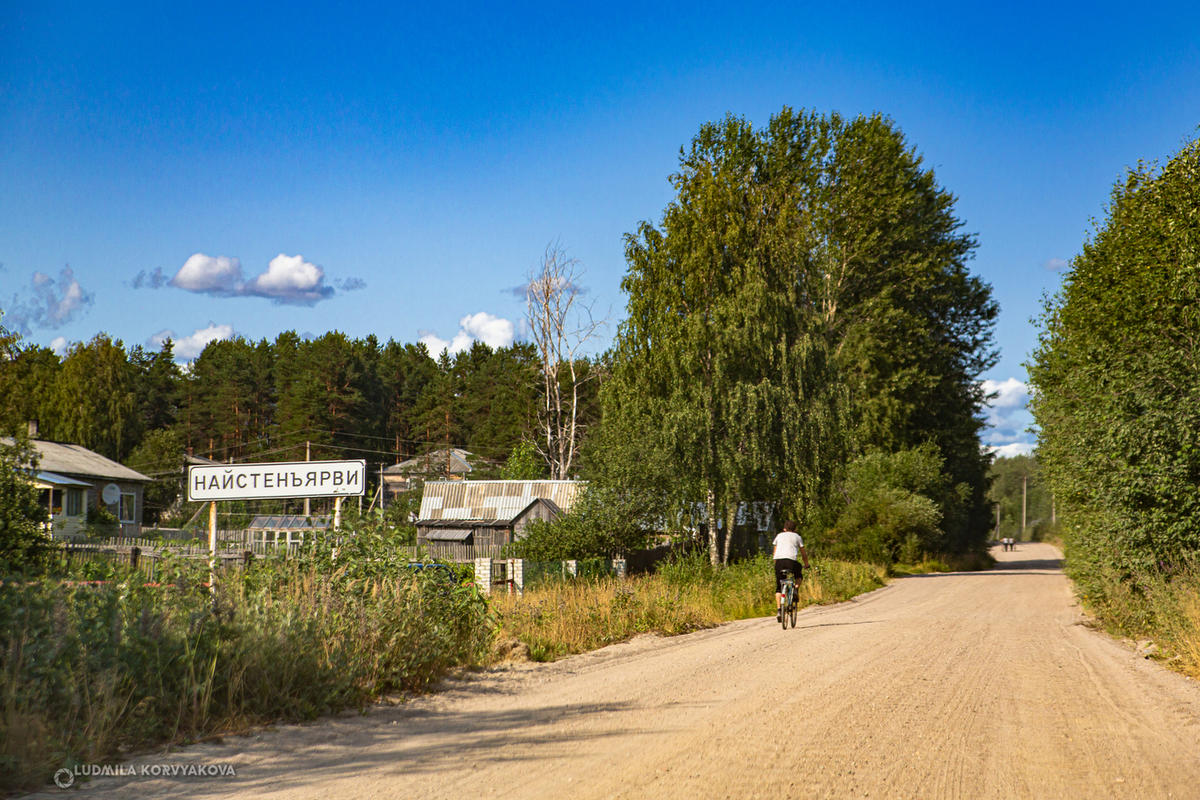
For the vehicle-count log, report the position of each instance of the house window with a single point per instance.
(74, 502)
(128, 504)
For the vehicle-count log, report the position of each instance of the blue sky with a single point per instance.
(215, 169)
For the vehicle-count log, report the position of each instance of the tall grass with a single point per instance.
(91, 671)
(1162, 605)
(562, 618)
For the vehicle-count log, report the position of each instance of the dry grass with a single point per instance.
(1187, 637)
(566, 617)
(1161, 607)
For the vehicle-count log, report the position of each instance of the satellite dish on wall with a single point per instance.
(110, 494)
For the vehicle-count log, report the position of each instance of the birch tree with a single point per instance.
(804, 298)
(560, 326)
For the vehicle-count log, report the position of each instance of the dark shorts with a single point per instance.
(786, 565)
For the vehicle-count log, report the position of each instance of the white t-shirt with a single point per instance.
(788, 544)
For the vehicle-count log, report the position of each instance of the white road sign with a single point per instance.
(276, 480)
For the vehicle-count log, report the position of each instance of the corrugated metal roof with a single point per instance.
(449, 535)
(492, 499)
(59, 480)
(77, 460)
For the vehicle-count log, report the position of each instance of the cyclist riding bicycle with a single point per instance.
(788, 545)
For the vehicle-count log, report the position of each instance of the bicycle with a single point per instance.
(790, 606)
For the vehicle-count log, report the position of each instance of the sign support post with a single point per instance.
(212, 548)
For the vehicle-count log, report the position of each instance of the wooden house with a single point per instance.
(450, 464)
(73, 479)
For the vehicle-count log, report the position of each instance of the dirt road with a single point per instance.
(962, 685)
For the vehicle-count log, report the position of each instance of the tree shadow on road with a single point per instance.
(1031, 566)
(396, 742)
(836, 624)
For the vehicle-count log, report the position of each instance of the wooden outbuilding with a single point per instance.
(489, 513)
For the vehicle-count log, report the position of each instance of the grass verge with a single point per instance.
(561, 618)
(953, 562)
(1162, 606)
(90, 672)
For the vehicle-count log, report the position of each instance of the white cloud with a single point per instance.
(1008, 418)
(59, 345)
(1056, 264)
(210, 274)
(493, 331)
(191, 346)
(54, 302)
(1010, 394)
(1010, 450)
(291, 279)
(287, 280)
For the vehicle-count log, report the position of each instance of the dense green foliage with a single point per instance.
(604, 522)
(523, 464)
(22, 542)
(1116, 395)
(1013, 478)
(889, 508)
(804, 299)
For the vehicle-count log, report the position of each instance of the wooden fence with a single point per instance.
(233, 546)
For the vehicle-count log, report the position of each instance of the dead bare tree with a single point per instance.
(560, 325)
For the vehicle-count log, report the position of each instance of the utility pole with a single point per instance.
(1024, 494)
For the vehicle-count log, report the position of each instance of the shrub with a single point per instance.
(894, 507)
(22, 543)
(603, 522)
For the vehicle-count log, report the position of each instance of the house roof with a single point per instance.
(492, 500)
(449, 535)
(58, 480)
(436, 524)
(434, 461)
(77, 461)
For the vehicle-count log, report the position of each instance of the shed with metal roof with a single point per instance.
(489, 512)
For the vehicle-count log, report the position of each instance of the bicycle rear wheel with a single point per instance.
(794, 610)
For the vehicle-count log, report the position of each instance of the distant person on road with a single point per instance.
(788, 547)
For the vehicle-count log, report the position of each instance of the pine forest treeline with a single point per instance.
(241, 400)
